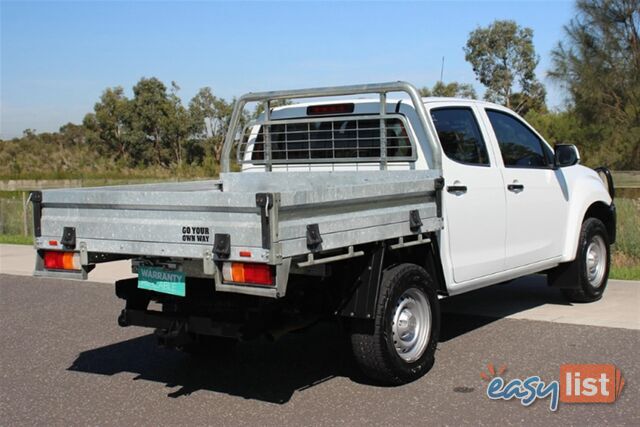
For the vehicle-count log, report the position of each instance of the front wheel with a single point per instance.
(591, 264)
(402, 344)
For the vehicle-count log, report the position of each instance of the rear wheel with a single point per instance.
(401, 347)
(591, 264)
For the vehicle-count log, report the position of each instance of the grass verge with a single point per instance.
(625, 273)
(624, 266)
(16, 239)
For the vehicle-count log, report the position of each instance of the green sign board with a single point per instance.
(160, 280)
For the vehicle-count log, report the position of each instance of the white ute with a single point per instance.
(365, 210)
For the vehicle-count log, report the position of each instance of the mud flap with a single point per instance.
(362, 302)
(565, 275)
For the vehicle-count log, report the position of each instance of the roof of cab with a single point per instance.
(454, 100)
(426, 100)
(287, 110)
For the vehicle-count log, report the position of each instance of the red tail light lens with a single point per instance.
(242, 272)
(258, 273)
(53, 260)
(56, 260)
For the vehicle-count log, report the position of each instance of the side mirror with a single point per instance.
(565, 155)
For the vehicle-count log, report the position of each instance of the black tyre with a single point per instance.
(591, 268)
(403, 342)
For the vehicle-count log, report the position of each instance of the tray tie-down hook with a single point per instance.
(414, 220)
(314, 239)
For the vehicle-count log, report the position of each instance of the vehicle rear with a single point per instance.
(325, 148)
(329, 195)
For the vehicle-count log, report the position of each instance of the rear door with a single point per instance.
(474, 200)
(536, 202)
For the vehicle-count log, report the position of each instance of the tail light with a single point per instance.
(244, 272)
(57, 260)
(317, 110)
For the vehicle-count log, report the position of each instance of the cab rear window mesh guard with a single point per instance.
(359, 149)
(345, 139)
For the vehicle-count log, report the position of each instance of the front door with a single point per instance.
(473, 200)
(536, 203)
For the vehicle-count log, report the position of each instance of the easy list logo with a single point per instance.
(585, 383)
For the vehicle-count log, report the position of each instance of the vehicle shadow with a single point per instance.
(259, 370)
(273, 372)
(472, 310)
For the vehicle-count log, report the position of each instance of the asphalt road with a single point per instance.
(64, 361)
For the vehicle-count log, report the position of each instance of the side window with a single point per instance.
(460, 135)
(520, 147)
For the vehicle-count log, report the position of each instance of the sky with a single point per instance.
(56, 58)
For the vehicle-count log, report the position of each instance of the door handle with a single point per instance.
(457, 189)
(516, 188)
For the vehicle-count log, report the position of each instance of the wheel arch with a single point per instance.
(587, 197)
(365, 290)
(606, 214)
(597, 209)
(426, 256)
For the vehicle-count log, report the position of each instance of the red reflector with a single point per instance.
(315, 110)
(259, 274)
(245, 254)
(53, 242)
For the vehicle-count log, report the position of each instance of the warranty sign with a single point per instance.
(160, 280)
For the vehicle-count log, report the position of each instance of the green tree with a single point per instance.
(110, 123)
(210, 117)
(29, 133)
(557, 127)
(73, 135)
(504, 60)
(453, 89)
(176, 125)
(151, 109)
(599, 65)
